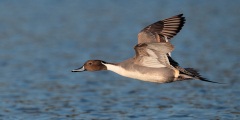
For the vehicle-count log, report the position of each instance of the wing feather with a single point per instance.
(153, 54)
(168, 27)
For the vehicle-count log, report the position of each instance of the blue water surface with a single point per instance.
(43, 40)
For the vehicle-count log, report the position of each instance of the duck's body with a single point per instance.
(152, 62)
(129, 69)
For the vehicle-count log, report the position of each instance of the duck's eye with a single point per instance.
(90, 63)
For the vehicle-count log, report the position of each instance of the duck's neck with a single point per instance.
(114, 67)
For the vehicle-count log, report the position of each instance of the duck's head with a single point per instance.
(92, 65)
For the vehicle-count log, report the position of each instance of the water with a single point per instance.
(42, 41)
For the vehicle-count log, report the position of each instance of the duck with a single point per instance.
(152, 61)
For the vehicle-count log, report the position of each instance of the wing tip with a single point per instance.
(172, 21)
(182, 21)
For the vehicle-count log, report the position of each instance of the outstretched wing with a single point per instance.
(153, 54)
(161, 31)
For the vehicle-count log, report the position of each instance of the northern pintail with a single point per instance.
(152, 62)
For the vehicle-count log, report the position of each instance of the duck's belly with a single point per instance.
(148, 76)
(160, 75)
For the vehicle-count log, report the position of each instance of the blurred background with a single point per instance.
(42, 41)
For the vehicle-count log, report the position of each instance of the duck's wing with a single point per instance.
(161, 31)
(153, 54)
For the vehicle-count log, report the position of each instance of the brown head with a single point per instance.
(92, 65)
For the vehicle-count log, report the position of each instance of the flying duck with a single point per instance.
(152, 61)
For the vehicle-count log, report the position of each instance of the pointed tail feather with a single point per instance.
(190, 72)
(206, 80)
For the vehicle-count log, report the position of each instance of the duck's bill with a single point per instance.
(81, 69)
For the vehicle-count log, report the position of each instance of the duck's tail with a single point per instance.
(191, 73)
